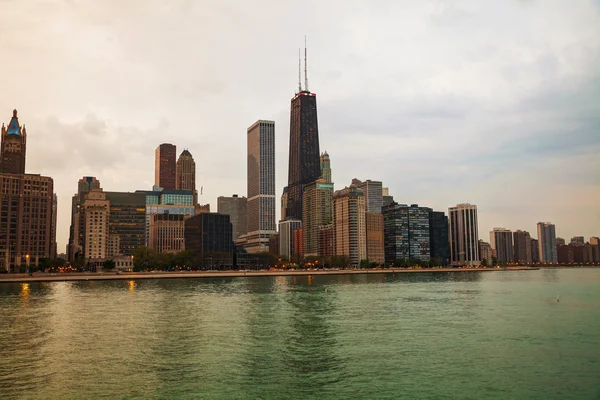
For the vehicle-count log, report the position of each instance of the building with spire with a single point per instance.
(304, 162)
(186, 174)
(13, 146)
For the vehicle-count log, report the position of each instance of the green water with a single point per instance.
(462, 335)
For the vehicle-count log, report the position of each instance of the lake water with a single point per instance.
(460, 335)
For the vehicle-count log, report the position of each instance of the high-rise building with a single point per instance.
(406, 233)
(386, 198)
(179, 202)
(284, 201)
(438, 237)
(77, 229)
(375, 242)
(304, 164)
(317, 202)
(349, 225)
(186, 174)
(167, 233)
(165, 166)
(485, 252)
(501, 242)
(53, 250)
(326, 243)
(464, 235)
(235, 207)
(547, 242)
(577, 240)
(535, 251)
(560, 241)
(12, 147)
(26, 219)
(96, 213)
(208, 235)
(373, 194)
(127, 219)
(286, 237)
(522, 245)
(261, 186)
(595, 243)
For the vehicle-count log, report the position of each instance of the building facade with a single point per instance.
(485, 252)
(208, 235)
(185, 178)
(127, 219)
(547, 242)
(13, 146)
(438, 237)
(236, 208)
(522, 246)
(167, 233)
(375, 241)
(76, 244)
(406, 233)
(317, 203)
(25, 219)
(373, 191)
(178, 202)
(535, 251)
(286, 237)
(165, 166)
(261, 222)
(502, 243)
(349, 224)
(463, 235)
(96, 211)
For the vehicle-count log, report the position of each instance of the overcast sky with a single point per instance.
(495, 103)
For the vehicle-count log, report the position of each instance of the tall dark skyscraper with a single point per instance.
(165, 166)
(304, 162)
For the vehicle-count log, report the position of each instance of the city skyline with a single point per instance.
(526, 119)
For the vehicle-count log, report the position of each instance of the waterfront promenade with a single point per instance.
(98, 276)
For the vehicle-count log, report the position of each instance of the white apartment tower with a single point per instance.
(463, 235)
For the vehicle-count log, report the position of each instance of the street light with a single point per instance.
(27, 262)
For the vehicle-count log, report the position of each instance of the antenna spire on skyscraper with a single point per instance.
(305, 67)
(299, 72)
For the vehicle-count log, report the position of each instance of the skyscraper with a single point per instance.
(208, 235)
(186, 174)
(373, 194)
(501, 242)
(317, 202)
(438, 237)
(286, 237)
(12, 147)
(547, 242)
(349, 224)
(127, 219)
(375, 238)
(236, 208)
(261, 186)
(522, 245)
(165, 166)
(96, 211)
(304, 164)
(77, 229)
(464, 235)
(406, 233)
(167, 233)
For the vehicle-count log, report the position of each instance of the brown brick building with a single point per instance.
(165, 167)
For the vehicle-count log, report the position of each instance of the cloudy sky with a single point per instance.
(495, 103)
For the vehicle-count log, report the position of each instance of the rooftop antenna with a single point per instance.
(299, 73)
(305, 67)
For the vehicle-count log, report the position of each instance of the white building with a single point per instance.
(464, 235)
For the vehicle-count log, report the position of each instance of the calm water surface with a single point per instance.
(467, 335)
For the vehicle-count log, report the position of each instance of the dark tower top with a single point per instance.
(12, 147)
(304, 161)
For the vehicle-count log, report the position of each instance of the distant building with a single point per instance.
(547, 242)
(386, 198)
(201, 209)
(235, 207)
(158, 202)
(485, 252)
(298, 241)
(535, 252)
(76, 230)
(286, 237)
(317, 206)
(113, 249)
(284, 200)
(349, 225)
(560, 241)
(261, 186)
(406, 233)
(167, 233)
(53, 249)
(326, 240)
(595, 243)
(374, 233)
(165, 166)
(522, 247)
(127, 219)
(12, 147)
(501, 242)
(373, 194)
(438, 237)
(464, 235)
(26, 223)
(577, 240)
(208, 235)
(185, 178)
(274, 244)
(96, 211)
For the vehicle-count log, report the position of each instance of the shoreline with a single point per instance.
(98, 276)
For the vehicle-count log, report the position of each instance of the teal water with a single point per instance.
(461, 335)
